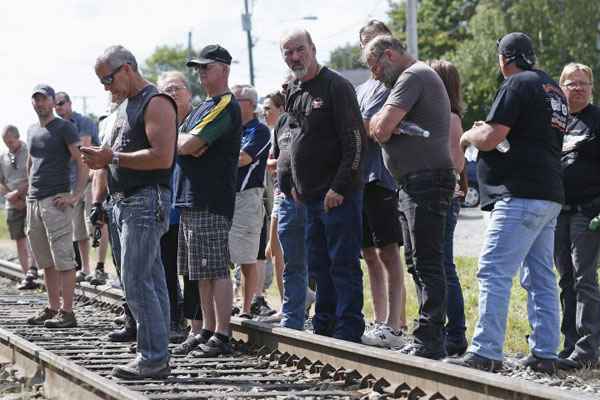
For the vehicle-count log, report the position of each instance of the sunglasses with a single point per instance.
(108, 79)
(61, 103)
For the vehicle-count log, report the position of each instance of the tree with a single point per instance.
(167, 58)
(345, 57)
(441, 24)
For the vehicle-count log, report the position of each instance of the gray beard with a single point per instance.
(390, 76)
(299, 73)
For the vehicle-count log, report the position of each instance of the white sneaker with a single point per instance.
(383, 336)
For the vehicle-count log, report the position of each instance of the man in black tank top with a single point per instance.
(135, 161)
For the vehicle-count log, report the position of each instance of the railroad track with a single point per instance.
(268, 362)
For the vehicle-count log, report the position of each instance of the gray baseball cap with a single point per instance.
(44, 89)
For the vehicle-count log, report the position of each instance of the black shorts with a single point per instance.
(381, 225)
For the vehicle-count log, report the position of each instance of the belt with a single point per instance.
(424, 173)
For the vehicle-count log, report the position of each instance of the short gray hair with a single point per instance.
(381, 43)
(246, 92)
(10, 129)
(295, 33)
(173, 74)
(117, 55)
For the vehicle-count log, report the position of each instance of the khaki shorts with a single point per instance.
(82, 228)
(15, 219)
(50, 233)
(244, 236)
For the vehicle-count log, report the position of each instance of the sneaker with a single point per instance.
(125, 334)
(32, 273)
(42, 317)
(566, 352)
(475, 361)
(419, 350)
(80, 276)
(64, 319)
(212, 348)
(545, 365)
(191, 343)
(260, 307)
(383, 336)
(311, 297)
(98, 278)
(271, 319)
(575, 361)
(28, 284)
(133, 370)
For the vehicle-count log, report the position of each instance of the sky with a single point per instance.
(57, 42)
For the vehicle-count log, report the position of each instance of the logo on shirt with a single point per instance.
(317, 103)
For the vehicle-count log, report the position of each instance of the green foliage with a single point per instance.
(477, 62)
(167, 58)
(345, 57)
(442, 24)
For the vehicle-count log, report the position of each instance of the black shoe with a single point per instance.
(120, 320)
(98, 278)
(472, 360)
(575, 361)
(419, 350)
(566, 352)
(456, 348)
(32, 273)
(191, 343)
(133, 370)
(126, 334)
(545, 365)
(212, 348)
(28, 284)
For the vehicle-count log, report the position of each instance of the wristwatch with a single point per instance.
(115, 159)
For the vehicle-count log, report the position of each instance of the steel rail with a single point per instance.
(397, 375)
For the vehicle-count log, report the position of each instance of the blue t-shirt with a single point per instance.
(50, 155)
(85, 127)
(371, 97)
(208, 182)
(256, 142)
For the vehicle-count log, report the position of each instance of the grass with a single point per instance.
(518, 326)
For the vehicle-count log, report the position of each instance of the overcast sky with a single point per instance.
(57, 42)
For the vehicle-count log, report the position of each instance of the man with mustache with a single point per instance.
(326, 152)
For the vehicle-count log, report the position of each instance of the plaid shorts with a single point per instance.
(203, 245)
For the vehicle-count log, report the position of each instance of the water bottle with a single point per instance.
(412, 129)
(503, 146)
(594, 225)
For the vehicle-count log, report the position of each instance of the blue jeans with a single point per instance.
(140, 221)
(333, 241)
(290, 228)
(520, 234)
(455, 325)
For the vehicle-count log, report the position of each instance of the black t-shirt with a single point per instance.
(581, 156)
(281, 152)
(535, 109)
(327, 151)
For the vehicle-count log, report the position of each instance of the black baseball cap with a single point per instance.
(209, 54)
(517, 45)
(44, 89)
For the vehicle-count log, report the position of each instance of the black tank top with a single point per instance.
(128, 134)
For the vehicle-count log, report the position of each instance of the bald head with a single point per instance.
(300, 54)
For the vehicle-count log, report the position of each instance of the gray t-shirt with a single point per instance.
(49, 151)
(13, 170)
(419, 91)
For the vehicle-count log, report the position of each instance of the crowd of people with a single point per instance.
(333, 174)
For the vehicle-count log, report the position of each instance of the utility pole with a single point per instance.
(411, 28)
(247, 26)
(84, 103)
(189, 51)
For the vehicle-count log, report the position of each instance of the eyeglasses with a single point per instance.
(108, 79)
(172, 89)
(13, 160)
(61, 103)
(372, 67)
(577, 84)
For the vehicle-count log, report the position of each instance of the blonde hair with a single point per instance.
(572, 67)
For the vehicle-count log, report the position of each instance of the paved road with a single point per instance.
(469, 234)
